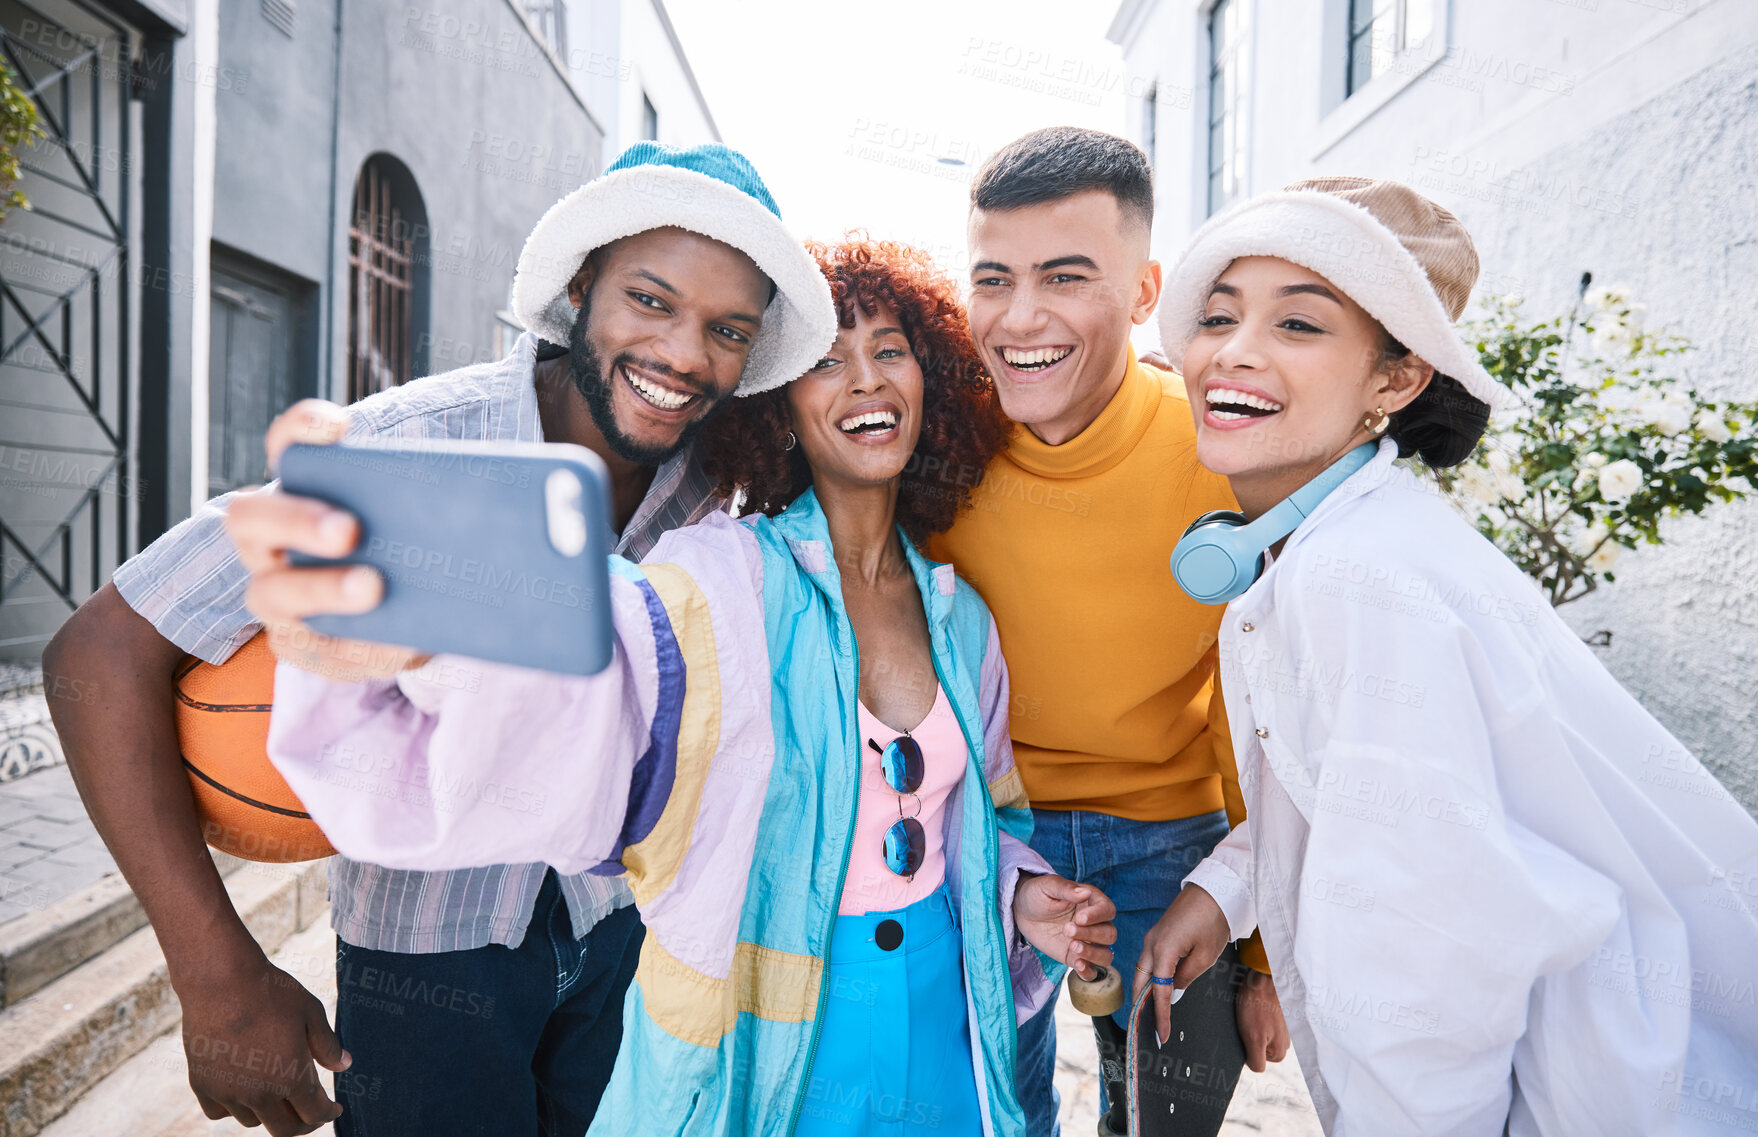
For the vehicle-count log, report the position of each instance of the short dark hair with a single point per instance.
(1061, 161)
(1443, 424)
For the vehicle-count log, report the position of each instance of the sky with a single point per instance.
(847, 110)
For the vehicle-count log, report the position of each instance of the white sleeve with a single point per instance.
(466, 763)
(1426, 914)
(1226, 875)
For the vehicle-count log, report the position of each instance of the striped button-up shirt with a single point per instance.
(190, 586)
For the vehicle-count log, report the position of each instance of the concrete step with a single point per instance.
(148, 1095)
(41, 946)
(58, 1042)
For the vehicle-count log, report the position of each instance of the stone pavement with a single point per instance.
(48, 848)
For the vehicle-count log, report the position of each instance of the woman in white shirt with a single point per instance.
(1496, 894)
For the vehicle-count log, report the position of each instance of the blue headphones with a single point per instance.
(1222, 554)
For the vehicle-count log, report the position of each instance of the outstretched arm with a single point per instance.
(452, 762)
(462, 763)
(459, 762)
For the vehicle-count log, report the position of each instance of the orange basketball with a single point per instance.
(245, 806)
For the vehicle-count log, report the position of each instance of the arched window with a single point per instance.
(387, 278)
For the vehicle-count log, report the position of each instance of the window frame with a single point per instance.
(1223, 65)
(1346, 110)
(649, 119)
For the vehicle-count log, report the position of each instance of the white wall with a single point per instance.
(1613, 136)
(620, 50)
(661, 71)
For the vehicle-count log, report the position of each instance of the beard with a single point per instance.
(593, 380)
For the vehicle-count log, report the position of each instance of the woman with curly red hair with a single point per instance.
(751, 448)
(881, 443)
(799, 758)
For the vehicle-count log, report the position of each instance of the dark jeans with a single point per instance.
(1141, 866)
(493, 1041)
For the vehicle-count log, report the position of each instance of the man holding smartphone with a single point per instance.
(661, 324)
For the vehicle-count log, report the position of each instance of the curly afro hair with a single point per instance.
(962, 423)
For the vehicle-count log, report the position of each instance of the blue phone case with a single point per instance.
(488, 549)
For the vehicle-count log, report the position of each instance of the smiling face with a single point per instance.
(1055, 289)
(668, 321)
(1281, 374)
(858, 412)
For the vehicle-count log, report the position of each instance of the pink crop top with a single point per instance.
(870, 885)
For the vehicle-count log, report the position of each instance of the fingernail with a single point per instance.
(1177, 994)
(347, 1059)
(336, 529)
(360, 583)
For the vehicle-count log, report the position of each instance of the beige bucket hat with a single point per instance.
(1406, 260)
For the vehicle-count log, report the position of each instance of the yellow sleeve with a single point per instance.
(1252, 950)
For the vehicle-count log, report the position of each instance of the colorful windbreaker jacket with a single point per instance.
(715, 762)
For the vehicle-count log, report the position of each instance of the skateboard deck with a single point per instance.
(1182, 1089)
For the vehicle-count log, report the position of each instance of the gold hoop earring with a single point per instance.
(1377, 422)
(789, 442)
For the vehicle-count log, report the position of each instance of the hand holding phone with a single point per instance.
(493, 550)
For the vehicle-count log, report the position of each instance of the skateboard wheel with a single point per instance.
(1096, 997)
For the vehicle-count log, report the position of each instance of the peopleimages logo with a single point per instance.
(469, 578)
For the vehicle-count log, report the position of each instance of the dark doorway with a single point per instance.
(259, 362)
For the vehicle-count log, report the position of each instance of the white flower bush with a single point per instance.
(1619, 480)
(1607, 441)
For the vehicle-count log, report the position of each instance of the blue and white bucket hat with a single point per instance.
(712, 190)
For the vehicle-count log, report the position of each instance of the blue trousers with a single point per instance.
(487, 1042)
(1141, 866)
(894, 1050)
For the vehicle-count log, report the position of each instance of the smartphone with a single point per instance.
(494, 550)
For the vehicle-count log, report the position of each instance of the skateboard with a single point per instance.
(1184, 1087)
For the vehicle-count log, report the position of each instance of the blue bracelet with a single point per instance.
(1158, 982)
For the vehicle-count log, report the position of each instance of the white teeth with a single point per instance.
(870, 418)
(1042, 355)
(664, 399)
(1228, 416)
(1224, 396)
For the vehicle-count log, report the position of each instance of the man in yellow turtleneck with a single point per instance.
(1118, 728)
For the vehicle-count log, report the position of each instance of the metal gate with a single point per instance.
(67, 482)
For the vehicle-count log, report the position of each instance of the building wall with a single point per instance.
(459, 91)
(659, 71)
(272, 148)
(1611, 136)
(635, 52)
(1684, 616)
